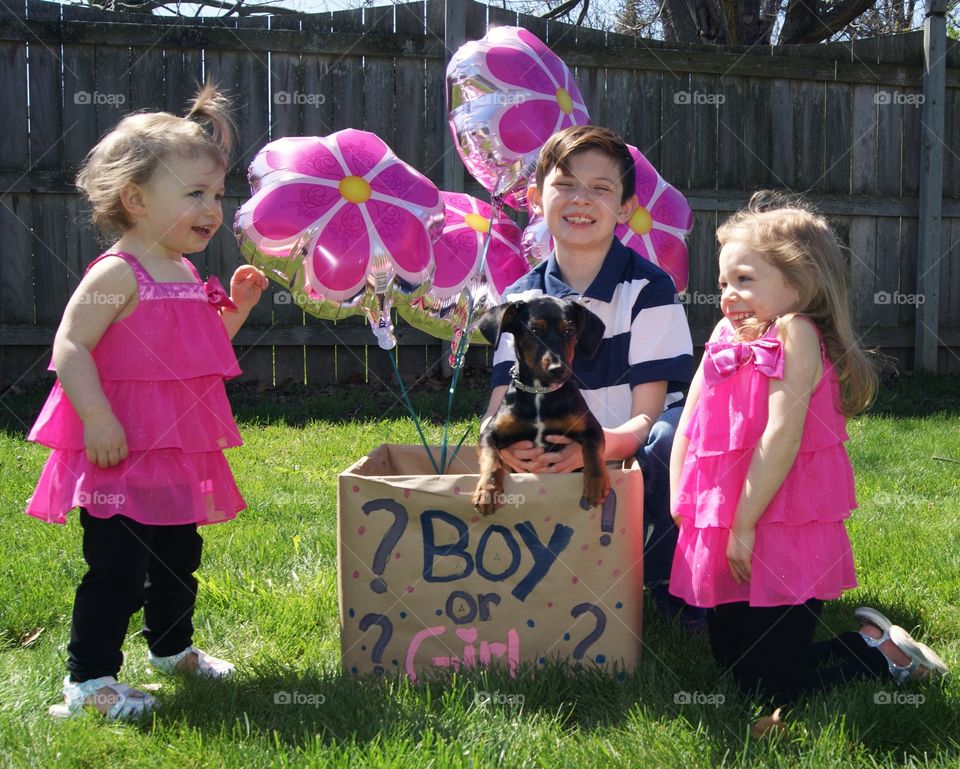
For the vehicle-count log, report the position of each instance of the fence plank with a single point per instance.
(321, 364)
(16, 268)
(411, 91)
(111, 99)
(319, 73)
(46, 119)
(435, 120)
(809, 99)
(184, 72)
(784, 140)
(839, 115)
(889, 132)
(621, 110)
(951, 138)
(244, 74)
(289, 99)
(863, 244)
(732, 119)
(13, 106)
(647, 130)
(48, 250)
(863, 152)
(702, 302)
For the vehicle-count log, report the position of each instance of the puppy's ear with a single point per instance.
(497, 320)
(589, 330)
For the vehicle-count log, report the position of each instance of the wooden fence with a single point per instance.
(840, 121)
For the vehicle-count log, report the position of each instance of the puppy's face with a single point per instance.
(547, 332)
(545, 339)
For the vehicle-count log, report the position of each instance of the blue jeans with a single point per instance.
(660, 532)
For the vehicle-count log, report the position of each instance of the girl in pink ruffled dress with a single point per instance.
(760, 480)
(138, 418)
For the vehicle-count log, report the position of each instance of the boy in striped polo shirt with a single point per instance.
(635, 383)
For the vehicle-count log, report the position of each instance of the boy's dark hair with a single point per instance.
(570, 141)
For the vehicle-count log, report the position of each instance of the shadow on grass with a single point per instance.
(675, 687)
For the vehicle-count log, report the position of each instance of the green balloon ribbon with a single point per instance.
(459, 355)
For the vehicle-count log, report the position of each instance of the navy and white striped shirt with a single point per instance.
(647, 338)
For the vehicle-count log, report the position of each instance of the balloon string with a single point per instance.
(463, 341)
(413, 414)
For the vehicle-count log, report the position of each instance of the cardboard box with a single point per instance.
(426, 584)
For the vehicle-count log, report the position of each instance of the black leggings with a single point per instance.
(132, 565)
(771, 649)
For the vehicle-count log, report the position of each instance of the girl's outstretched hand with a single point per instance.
(104, 439)
(739, 552)
(246, 286)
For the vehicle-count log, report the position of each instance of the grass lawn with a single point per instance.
(268, 602)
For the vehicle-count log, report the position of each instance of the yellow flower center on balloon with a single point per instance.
(641, 222)
(355, 189)
(565, 102)
(477, 222)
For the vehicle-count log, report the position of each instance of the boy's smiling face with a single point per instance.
(583, 206)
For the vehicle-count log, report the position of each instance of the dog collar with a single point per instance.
(535, 389)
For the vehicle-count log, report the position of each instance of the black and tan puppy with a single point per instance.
(542, 399)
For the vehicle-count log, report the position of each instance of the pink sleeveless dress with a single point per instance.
(162, 368)
(802, 550)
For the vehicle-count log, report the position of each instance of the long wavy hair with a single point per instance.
(801, 244)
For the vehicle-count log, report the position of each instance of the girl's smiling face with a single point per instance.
(752, 287)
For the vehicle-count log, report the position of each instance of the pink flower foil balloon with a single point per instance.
(659, 227)
(506, 94)
(359, 215)
(463, 281)
(657, 230)
(459, 251)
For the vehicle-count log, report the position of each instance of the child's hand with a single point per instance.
(566, 460)
(105, 440)
(522, 456)
(246, 286)
(739, 552)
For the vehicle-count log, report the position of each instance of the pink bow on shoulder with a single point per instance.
(724, 359)
(216, 294)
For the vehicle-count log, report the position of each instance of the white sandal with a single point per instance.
(920, 654)
(208, 666)
(131, 703)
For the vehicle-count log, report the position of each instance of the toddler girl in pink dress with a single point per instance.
(138, 418)
(760, 480)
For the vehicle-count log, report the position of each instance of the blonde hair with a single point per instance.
(801, 244)
(133, 150)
